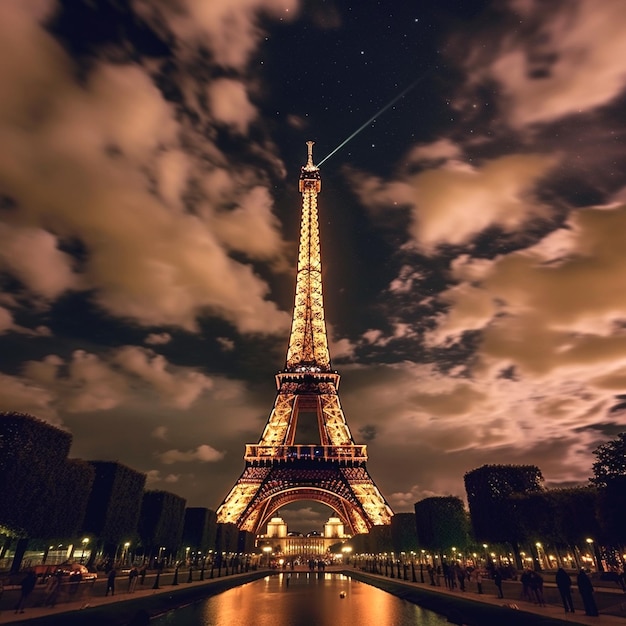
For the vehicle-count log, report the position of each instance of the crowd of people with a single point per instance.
(454, 576)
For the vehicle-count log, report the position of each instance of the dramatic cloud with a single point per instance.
(228, 27)
(180, 389)
(100, 146)
(453, 203)
(566, 59)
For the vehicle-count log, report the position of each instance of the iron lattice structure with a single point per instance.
(278, 470)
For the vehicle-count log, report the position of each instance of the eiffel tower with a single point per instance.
(332, 471)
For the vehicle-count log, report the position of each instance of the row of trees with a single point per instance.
(510, 506)
(50, 498)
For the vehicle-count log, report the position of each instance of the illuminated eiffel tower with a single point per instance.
(279, 470)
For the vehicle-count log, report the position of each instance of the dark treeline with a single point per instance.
(50, 499)
(511, 512)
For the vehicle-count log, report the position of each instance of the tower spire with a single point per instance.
(308, 343)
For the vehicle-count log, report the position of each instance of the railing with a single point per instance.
(322, 453)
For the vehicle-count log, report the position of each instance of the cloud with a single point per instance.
(432, 420)
(439, 150)
(6, 320)
(564, 61)
(23, 396)
(229, 28)
(89, 382)
(203, 453)
(179, 387)
(154, 478)
(230, 105)
(160, 432)
(455, 202)
(116, 175)
(158, 339)
(226, 344)
(32, 255)
(539, 386)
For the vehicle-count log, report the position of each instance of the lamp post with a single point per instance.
(85, 541)
(267, 550)
(125, 556)
(592, 549)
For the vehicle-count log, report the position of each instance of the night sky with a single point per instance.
(473, 231)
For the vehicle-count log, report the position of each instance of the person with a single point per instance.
(586, 593)
(525, 580)
(142, 573)
(111, 582)
(132, 579)
(479, 580)
(497, 579)
(536, 587)
(53, 587)
(26, 588)
(459, 572)
(564, 585)
(431, 574)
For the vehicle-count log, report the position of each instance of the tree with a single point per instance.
(72, 487)
(161, 521)
(574, 514)
(441, 523)
(32, 454)
(403, 532)
(379, 539)
(227, 539)
(611, 461)
(494, 511)
(609, 475)
(113, 506)
(33, 467)
(199, 529)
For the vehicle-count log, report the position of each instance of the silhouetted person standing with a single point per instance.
(27, 585)
(111, 582)
(586, 592)
(564, 584)
(497, 579)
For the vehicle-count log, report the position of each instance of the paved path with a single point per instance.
(612, 601)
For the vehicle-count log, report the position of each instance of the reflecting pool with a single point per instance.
(302, 599)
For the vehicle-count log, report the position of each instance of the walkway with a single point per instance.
(612, 601)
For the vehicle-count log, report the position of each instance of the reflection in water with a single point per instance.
(302, 599)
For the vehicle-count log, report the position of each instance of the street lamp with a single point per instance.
(126, 546)
(85, 541)
(268, 551)
(593, 553)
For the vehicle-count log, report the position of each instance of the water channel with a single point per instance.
(302, 599)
